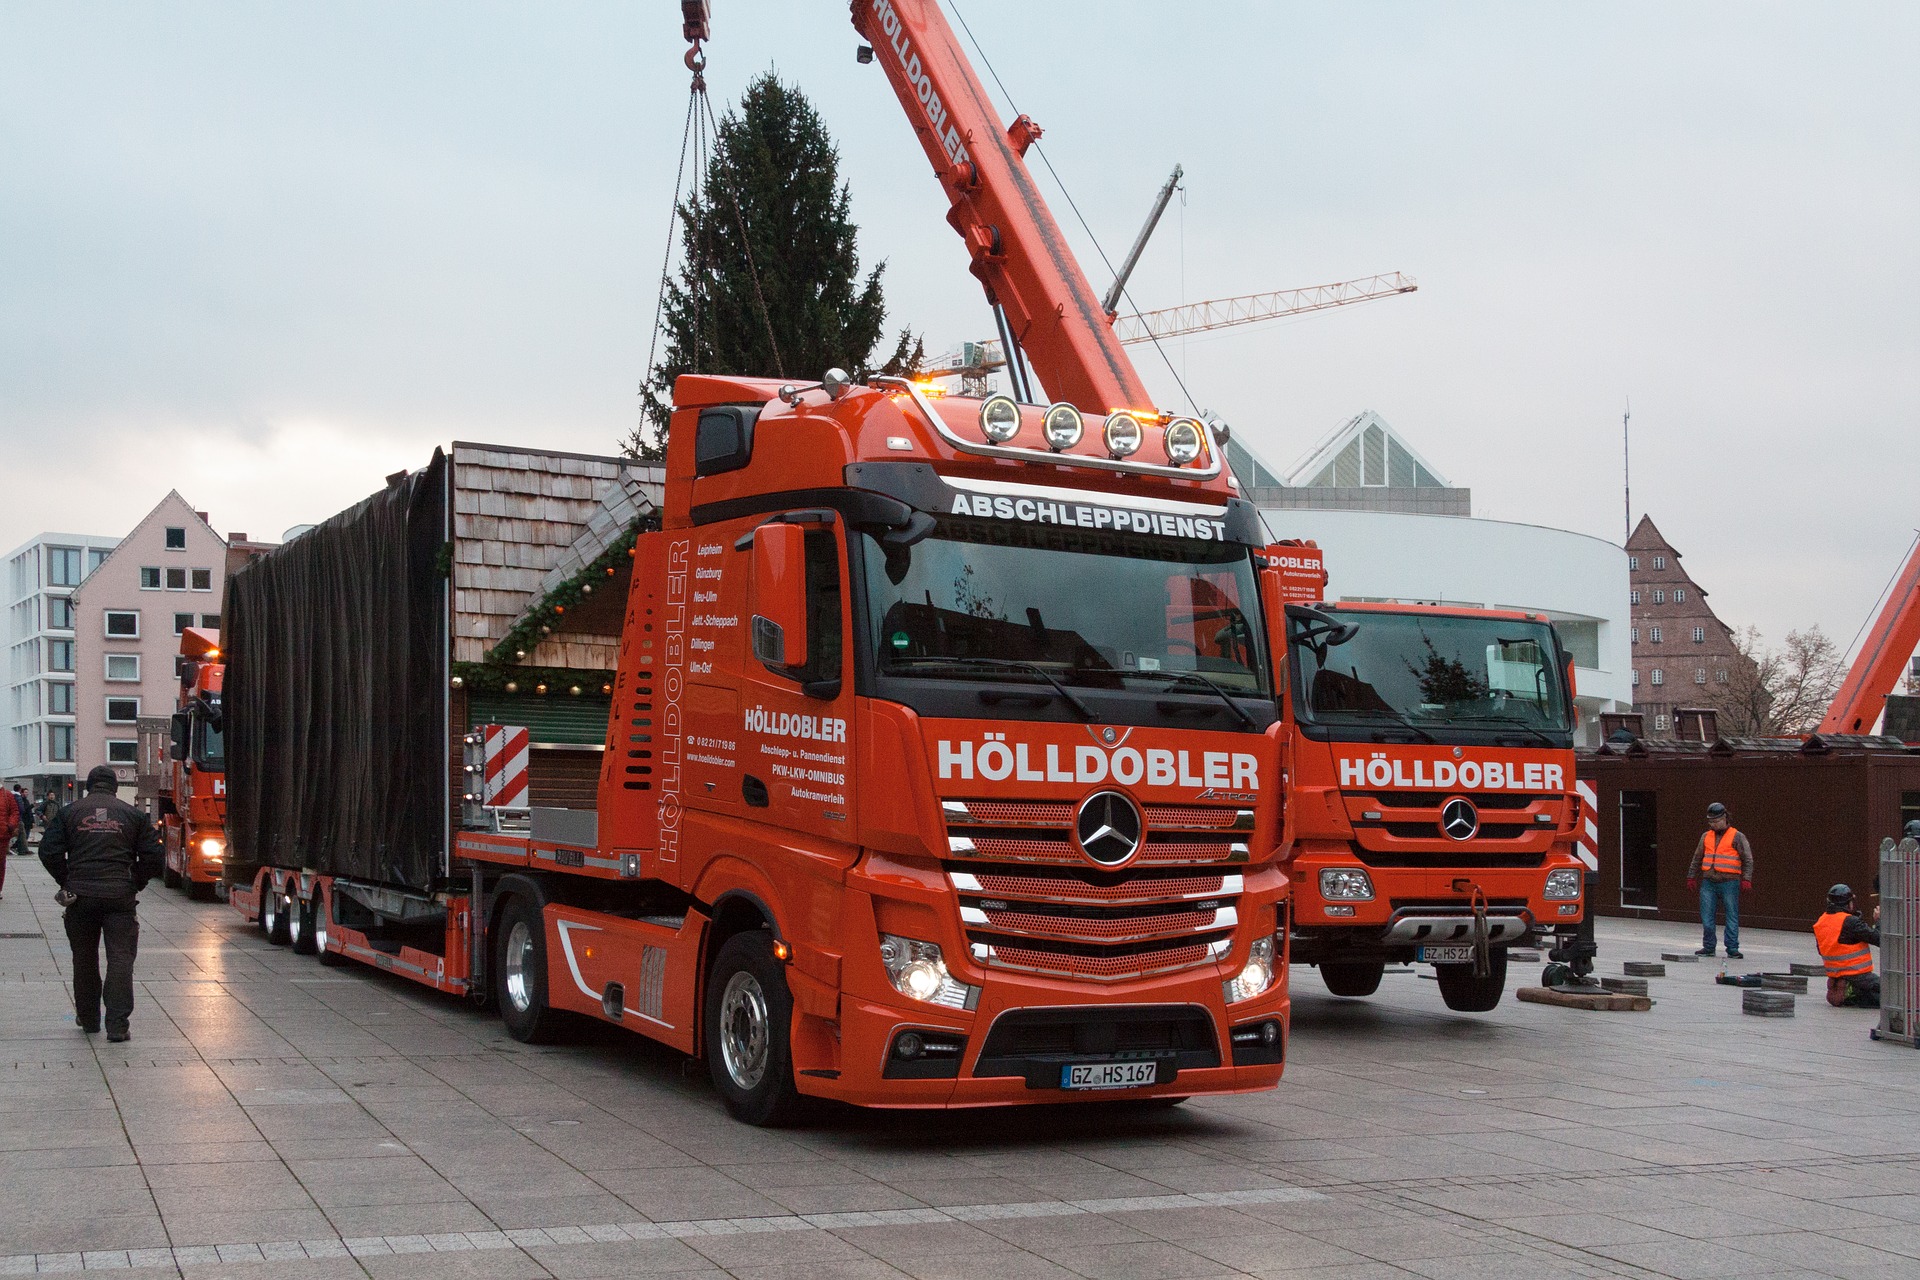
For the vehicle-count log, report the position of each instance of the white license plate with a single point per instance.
(1447, 955)
(1107, 1075)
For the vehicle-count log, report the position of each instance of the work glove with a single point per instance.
(1693, 886)
(1746, 886)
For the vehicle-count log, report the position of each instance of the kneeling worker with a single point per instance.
(101, 851)
(1844, 939)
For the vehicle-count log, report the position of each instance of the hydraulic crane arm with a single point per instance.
(1884, 653)
(1017, 250)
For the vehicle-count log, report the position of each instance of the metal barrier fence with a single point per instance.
(1899, 942)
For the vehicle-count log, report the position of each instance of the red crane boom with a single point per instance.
(1876, 669)
(1018, 252)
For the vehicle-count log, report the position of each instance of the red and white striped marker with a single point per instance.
(506, 766)
(1587, 844)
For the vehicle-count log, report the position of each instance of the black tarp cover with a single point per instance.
(337, 747)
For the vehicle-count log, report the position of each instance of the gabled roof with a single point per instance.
(1646, 535)
(1365, 451)
(173, 496)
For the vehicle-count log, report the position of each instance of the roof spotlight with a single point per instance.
(1184, 441)
(1122, 434)
(999, 419)
(1062, 426)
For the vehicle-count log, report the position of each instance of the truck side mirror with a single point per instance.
(780, 595)
(179, 728)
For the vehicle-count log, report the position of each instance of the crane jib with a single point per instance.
(939, 119)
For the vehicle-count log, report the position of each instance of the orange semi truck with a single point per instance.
(193, 791)
(1432, 807)
(942, 767)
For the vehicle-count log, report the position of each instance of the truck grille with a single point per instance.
(1402, 828)
(1031, 902)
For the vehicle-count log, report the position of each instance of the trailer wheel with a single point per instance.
(300, 925)
(1465, 993)
(322, 913)
(273, 914)
(749, 1021)
(1352, 977)
(520, 973)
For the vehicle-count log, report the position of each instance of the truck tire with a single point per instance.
(749, 1023)
(1352, 977)
(170, 878)
(520, 973)
(300, 926)
(322, 926)
(273, 914)
(198, 890)
(1465, 993)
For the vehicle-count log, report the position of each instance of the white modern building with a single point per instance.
(1362, 496)
(38, 742)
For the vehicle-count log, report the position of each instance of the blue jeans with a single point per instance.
(1726, 895)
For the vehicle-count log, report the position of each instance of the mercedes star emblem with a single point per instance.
(1459, 819)
(1109, 827)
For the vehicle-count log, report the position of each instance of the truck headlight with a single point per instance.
(1563, 885)
(1062, 426)
(213, 847)
(1256, 977)
(1121, 434)
(1346, 883)
(1183, 441)
(999, 419)
(919, 972)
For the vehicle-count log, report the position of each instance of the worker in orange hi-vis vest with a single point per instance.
(1722, 866)
(1845, 939)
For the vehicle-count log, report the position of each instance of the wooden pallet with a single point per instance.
(1581, 1000)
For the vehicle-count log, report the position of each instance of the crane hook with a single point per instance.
(696, 63)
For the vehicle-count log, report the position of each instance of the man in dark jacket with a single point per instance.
(25, 808)
(102, 851)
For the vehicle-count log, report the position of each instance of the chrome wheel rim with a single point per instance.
(519, 967)
(293, 923)
(270, 912)
(319, 925)
(745, 1030)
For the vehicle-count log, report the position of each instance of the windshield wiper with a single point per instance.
(1184, 677)
(1516, 723)
(1004, 664)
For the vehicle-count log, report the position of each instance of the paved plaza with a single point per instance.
(274, 1118)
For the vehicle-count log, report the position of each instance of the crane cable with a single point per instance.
(698, 135)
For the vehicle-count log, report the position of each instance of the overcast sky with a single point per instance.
(266, 253)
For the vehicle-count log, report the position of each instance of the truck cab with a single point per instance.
(1434, 807)
(193, 793)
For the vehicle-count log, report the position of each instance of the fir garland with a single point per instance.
(551, 682)
(546, 616)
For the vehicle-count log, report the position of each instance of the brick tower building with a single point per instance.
(1682, 653)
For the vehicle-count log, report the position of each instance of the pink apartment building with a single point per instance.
(165, 576)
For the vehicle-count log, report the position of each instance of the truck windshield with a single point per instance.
(1080, 607)
(1423, 670)
(209, 744)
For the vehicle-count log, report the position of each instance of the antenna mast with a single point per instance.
(1626, 464)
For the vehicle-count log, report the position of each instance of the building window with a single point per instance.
(203, 579)
(63, 566)
(1633, 635)
(1659, 596)
(1679, 595)
(176, 579)
(1633, 597)
(211, 621)
(59, 699)
(1633, 564)
(97, 556)
(1699, 675)
(59, 613)
(1699, 635)
(123, 624)
(60, 743)
(176, 538)
(149, 577)
(1660, 722)
(123, 710)
(1659, 562)
(123, 668)
(181, 621)
(1636, 677)
(1656, 635)
(1720, 676)
(1659, 676)
(123, 751)
(59, 655)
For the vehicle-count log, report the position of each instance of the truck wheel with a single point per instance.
(322, 913)
(300, 926)
(273, 914)
(520, 973)
(170, 878)
(1465, 993)
(198, 890)
(749, 1020)
(1352, 977)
